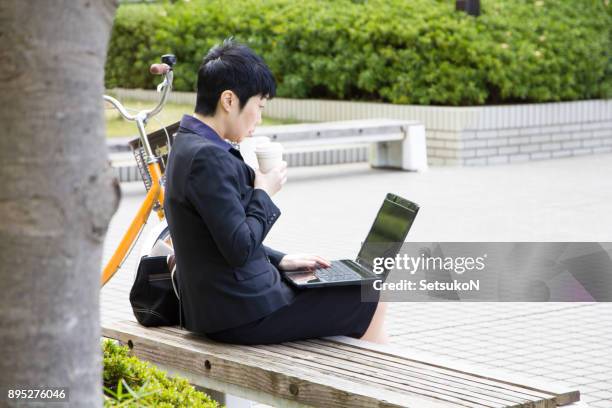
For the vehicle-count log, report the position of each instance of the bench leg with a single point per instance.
(230, 401)
(407, 154)
(237, 402)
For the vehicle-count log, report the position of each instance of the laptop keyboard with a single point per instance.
(337, 272)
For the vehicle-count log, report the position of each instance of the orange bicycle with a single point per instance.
(150, 165)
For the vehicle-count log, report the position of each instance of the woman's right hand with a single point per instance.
(272, 181)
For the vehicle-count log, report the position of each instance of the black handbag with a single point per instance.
(154, 296)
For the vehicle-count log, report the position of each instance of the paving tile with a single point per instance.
(605, 395)
(601, 404)
(590, 389)
(603, 376)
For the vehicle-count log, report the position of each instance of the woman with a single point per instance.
(219, 211)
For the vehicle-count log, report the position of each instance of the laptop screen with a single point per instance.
(389, 230)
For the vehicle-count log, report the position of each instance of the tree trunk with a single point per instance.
(56, 194)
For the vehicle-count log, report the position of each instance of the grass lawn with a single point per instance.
(116, 126)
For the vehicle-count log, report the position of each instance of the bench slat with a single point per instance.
(334, 130)
(441, 383)
(349, 139)
(564, 395)
(343, 369)
(436, 372)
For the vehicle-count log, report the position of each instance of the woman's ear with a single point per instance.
(227, 99)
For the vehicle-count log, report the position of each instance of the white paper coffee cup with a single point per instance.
(247, 149)
(269, 155)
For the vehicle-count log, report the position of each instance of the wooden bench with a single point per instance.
(332, 372)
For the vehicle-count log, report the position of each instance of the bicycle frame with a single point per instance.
(155, 196)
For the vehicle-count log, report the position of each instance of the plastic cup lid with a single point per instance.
(260, 140)
(269, 148)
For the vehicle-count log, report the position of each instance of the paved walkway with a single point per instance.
(329, 209)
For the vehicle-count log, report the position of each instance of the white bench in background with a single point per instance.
(398, 144)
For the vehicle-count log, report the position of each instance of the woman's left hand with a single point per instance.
(293, 262)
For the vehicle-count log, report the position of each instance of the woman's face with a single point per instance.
(242, 123)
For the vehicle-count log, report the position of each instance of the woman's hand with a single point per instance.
(272, 181)
(307, 262)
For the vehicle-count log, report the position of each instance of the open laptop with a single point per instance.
(385, 239)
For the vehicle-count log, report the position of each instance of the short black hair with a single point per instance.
(235, 67)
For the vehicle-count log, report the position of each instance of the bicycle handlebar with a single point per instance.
(164, 87)
(159, 69)
(142, 117)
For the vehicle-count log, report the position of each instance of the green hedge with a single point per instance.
(399, 51)
(130, 382)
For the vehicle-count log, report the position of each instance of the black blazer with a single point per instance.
(218, 222)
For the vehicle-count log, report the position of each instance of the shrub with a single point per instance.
(132, 48)
(130, 382)
(400, 51)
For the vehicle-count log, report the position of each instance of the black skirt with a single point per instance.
(316, 312)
